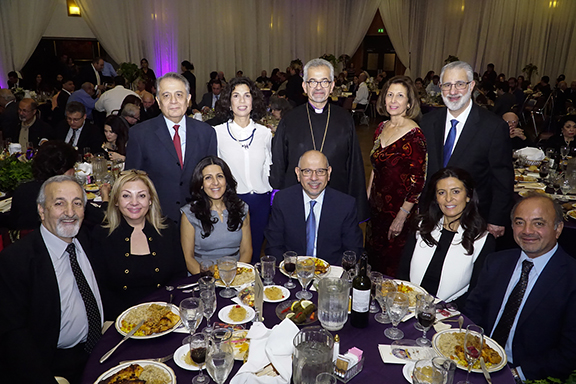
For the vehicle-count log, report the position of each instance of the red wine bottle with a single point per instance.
(361, 296)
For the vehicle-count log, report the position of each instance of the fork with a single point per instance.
(157, 359)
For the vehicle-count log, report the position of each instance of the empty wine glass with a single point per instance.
(375, 277)
(207, 283)
(473, 342)
(191, 312)
(290, 258)
(198, 351)
(426, 314)
(305, 268)
(383, 288)
(397, 305)
(348, 260)
(227, 270)
(220, 358)
(208, 297)
(425, 372)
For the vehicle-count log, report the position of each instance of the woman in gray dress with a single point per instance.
(217, 222)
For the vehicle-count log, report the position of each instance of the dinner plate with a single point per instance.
(91, 187)
(285, 294)
(326, 264)
(525, 193)
(223, 314)
(118, 323)
(283, 309)
(240, 344)
(407, 370)
(572, 214)
(490, 342)
(220, 284)
(142, 363)
(179, 358)
(412, 294)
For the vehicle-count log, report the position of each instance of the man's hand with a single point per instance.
(496, 230)
(517, 132)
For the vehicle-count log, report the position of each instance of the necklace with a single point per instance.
(243, 141)
(325, 129)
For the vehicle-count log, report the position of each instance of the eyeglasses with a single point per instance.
(74, 120)
(319, 172)
(512, 121)
(324, 83)
(133, 172)
(459, 85)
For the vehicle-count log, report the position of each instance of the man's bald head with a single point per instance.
(6, 96)
(511, 119)
(147, 99)
(88, 87)
(27, 110)
(313, 173)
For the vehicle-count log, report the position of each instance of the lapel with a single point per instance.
(438, 129)
(300, 217)
(189, 161)
(504, 273)
(164, 138)
(325, 219)
(466, 137)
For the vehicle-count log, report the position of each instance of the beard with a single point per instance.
(456, 105)
(67, 230)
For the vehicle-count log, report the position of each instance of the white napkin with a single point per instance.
(531, 153)
(5, 205)
(84, 168)
(268, 346)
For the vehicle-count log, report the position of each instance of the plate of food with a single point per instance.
(275, 293)
(183, 360)
(450, 344)
(144, 370)
(159, 320)
(525, 193)
(301, 312)
(525, 179)
(412, 290)
(322, 267)
(236, 314)
(244, 275)
(572, 214)
(91, 187)
(240, 344)
(90, 195)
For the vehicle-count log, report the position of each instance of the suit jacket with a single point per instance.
(91, 137)
(338, 229)
(31, 328)
(87, 74)
(9, 118)
(484, 150)
(206, 101)
(39, 130)
(147, 114)
(151, 149)
(545, 338)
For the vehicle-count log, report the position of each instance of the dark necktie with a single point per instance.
(503, 327)
(72, 138)
(310, 230)
(178, 145)
(92, 311)
(449, 144)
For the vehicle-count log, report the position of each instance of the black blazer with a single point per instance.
(38, 131)
(484, 150)
(338, 230)
(91, 136)
(206, 101)
(87, 74)
(9, 118)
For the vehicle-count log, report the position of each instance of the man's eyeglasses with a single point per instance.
(74, 120)
(319, 172)
(324, 83)
(459, 85)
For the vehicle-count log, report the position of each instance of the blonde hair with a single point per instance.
(153, 216)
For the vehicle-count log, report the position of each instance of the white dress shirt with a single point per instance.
(362, 94)
(78, 133)
(181, 133)
(112, 99)
(461, 122)
(317, 213)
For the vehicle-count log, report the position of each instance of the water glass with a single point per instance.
(268, 264)
(220, 357)
(191, 313)
(333, 294)
(207, 283)
(425, 372)
(381, 291)
(375, 277)
(305, 268)
(397, 306)
(290, 258)
(209, 301)
(326, 378)
(227, 269)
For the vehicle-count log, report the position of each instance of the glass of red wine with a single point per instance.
(290, 258)
(207, 268)
(426, 315)
(473, 343)
(349, 264)
(198, 349)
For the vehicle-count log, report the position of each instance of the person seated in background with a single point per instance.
(362, 93)
(543, 86)
(263, 78)
(136, 250)
(434, 87)
(15, 80)
(505, 100)
(59, 113)
(30, 129)
(525, 299)
(216, 223)
(516, 91)
(130, 114)
(311, 218)
(209, 99)
(566, 136)
(280, 85)
(420, 91)
(85, 95)
(447, 252)
(75, 130)
(9, 116)
(149, 108)
(517, 135)
(112, 99)
(490, 75)
(279, 107)
(140, 87)
(116, 133)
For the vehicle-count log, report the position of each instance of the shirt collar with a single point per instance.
(540, 261)
(31, 123)
(318, 111)
(171, 124)
(463, 116)
(318, 200)
(55, 245)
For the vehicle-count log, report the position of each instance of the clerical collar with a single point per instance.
(318, 111)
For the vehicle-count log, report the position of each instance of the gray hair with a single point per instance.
(313, 150)
(558, 211)
(7, 95)
(314, 63)
(175, 76)
(41, 200)
(458, 65)
(130, 110)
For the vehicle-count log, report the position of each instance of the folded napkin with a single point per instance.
(84, 168)
(268, 346)
(5, 205)
(531, 153)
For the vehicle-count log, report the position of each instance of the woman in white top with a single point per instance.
(448, 250)
(246, 147)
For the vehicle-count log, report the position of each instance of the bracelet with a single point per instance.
(404, 210)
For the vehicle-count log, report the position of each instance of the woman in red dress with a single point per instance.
(399, 169)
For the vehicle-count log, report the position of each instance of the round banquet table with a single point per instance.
(367, 339)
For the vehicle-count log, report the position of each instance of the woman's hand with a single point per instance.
(397, 224)
(105, 192)
(114, 156)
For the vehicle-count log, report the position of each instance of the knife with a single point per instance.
(184, 286)
(485, 371)
(132, 332)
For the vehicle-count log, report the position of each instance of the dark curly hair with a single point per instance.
(119, 128)
(224, 110)
(201, 203)
(53, 158)
(470, 220)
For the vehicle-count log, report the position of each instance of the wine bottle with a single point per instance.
(361, 296)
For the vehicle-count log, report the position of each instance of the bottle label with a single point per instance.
(360, 300)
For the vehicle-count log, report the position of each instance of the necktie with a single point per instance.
(92, 311)
(450, 142)
(310, 230)
(503, 327)
(178, 145)
(72, 138)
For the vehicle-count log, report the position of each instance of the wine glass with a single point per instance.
(305, 268)
(348, 260)
(290, 258)
(220, 357)
(206, 268)
(326, 378)
(544, 171)
(397, 305)
(383, 288)
(473, 342)
(198, 349)
(191, 312)
(564, 151)
(375, 277)
(426, 314)
(227, 269)
(207, 283)
(425, 372)
(208, 297)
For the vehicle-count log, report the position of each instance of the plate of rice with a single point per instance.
(149, 371)
(159, 320)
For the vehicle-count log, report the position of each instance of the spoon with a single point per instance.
(460, 322)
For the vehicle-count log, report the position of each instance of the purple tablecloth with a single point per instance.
(367, 339)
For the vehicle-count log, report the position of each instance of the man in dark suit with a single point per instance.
(209, 99)
(62, 100)
(467, 136)
(49, 324)
(9, 117)
(334, 216)
(149, 108)
(169, 146)
(76, 131)
(30, 128)
(93, 74)
(526, 299)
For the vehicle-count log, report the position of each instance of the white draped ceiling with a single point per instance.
(252, 35)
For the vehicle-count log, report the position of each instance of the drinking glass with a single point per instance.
(29, 150)
(305, 268)
(207, 268)
(220, 357)
(208, 297)
(397, 306)
(87, 154)
(473, 342)
(290, 258)
(375, 277)
(227, 269)
(191, 312)
(544, 171)
(268, 265)
(425, 372)
(348, 260)
(383, 288)
(207, 283)
(564, 151)
(326, 378)
(198, 350)
(426, 314)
